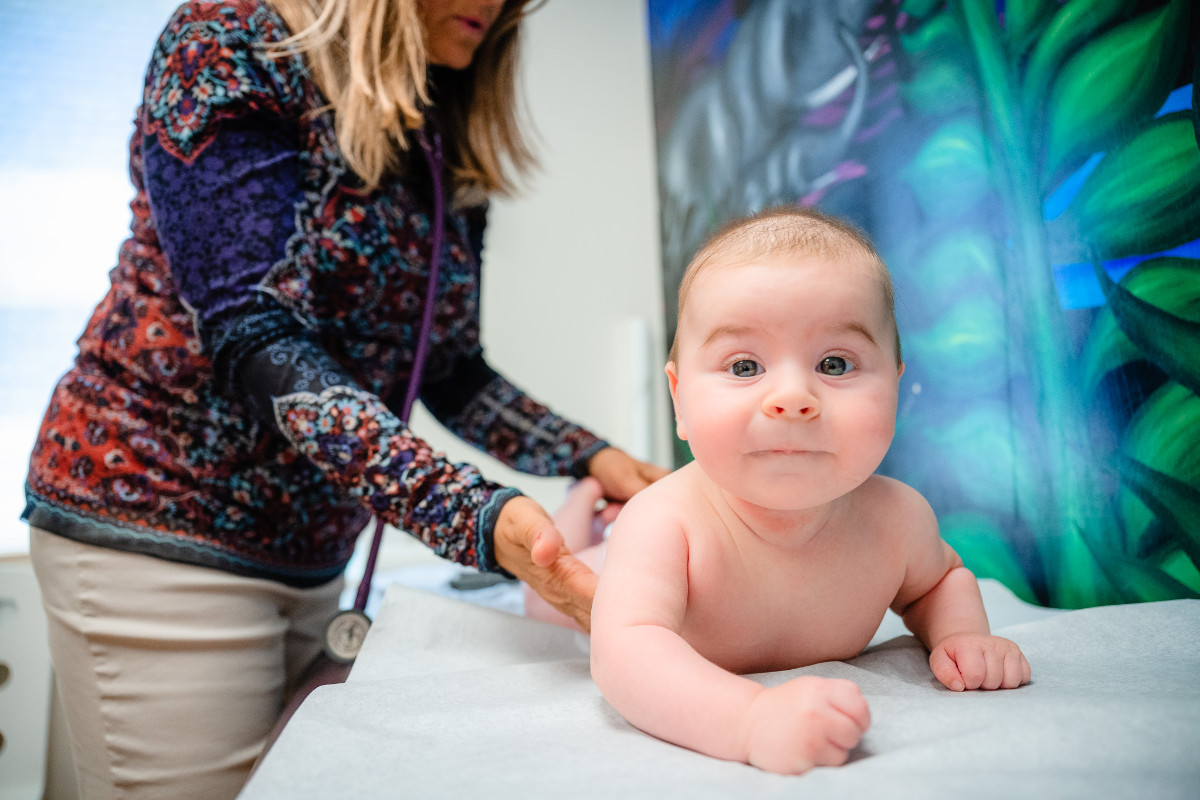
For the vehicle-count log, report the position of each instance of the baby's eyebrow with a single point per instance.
(725, 331)
(855, 327)
(735, 331)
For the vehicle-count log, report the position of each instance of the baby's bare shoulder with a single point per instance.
(664, 502)
(669, 493)
(673, 506)
(893, 507)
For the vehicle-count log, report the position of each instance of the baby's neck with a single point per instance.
(790, 529)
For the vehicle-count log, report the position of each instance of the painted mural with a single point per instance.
(1030, 170)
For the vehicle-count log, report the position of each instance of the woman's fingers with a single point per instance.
(529, 546)
(568, 585)
(546, 544)
(621, 474)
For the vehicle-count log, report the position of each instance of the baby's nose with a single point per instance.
(794, 401)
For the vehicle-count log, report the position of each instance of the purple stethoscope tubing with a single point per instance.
(433, 156)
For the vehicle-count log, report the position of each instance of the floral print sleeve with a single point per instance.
(209, 65)
(361, 445)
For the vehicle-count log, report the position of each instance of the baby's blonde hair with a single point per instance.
(781, 231)
(369, 59)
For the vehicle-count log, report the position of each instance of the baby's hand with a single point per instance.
(978, 661)
(577, 519)
(806, 722)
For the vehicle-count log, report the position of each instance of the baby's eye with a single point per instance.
(745, 368)
(834, 365)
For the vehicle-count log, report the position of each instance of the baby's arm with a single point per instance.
(940, 602)
(662, 685)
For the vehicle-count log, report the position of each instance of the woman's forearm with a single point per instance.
(514, 428)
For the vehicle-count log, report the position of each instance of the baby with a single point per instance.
(778, 547)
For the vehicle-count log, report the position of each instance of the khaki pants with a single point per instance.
(171, 675)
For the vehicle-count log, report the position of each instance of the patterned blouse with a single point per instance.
(236, 397)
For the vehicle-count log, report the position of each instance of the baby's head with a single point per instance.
(786, 364)
(788, 230)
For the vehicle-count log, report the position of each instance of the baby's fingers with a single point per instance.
(994, 665)
(1016, 670)
(845, 697)
(846, 722)
(979, 662)
(946, 670)
(843, 734)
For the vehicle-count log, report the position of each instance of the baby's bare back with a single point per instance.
(788, 599)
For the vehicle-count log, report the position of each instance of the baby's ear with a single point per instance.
(673, 382)
(900, 371)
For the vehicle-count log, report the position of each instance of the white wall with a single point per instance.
(571, 267)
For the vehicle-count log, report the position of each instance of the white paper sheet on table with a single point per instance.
(454, 700)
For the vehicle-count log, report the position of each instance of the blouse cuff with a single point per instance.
(579, 470)
(485, 546)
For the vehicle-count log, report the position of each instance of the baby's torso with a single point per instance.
(753, 607)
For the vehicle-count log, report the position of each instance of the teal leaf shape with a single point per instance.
(1024, 21)
(1073, 25)
(1113, 82)
(1175, 503)
(1143, 197)
(1169, 340)
(949, 174)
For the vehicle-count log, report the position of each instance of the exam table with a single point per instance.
(456, 700)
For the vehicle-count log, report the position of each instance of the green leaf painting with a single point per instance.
(1086, 114)
(1142, 196)
(1101, 435)
(1156, 319)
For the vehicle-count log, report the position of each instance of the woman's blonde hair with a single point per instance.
(369, 59)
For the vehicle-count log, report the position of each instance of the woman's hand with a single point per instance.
(622, 475)
(530, 547)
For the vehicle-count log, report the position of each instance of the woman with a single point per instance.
(235, 415)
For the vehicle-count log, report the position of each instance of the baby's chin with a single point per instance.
(781, 494)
